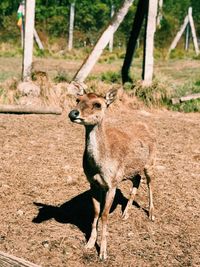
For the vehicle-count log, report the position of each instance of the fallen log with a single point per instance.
(23, 109)
(7, 260)
(185, 98)
(175, 100)
(189, 97)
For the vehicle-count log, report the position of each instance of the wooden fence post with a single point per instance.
(191, 21)
(112, 35)
(187, 37)
(188, 21)
(179, 34)
(71, 26)
(37, 39)
(148, 61)
(28, 39)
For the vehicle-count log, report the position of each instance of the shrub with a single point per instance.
(111, 77)
(191, 87)
(62, 76)
(189, 106)
(158, 94)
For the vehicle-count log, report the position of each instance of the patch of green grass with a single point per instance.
(10, 50)
(10, 53)
(41, 53)
(157, 94)
(111, 77)
(197, 83)
(1, 91)
(62, 76)
(108, 58)
(179, 53)
(189, 106)
(6, 75)
(190, 87)
(161, 92)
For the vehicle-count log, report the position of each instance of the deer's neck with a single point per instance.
(95, 141)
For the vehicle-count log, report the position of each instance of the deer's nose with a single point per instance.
(73, 114)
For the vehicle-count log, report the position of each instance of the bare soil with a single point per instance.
(45, 204)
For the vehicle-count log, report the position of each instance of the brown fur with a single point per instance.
(112, 155)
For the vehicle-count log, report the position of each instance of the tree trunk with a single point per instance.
(104, 39)
(141, 12)
(71, 26)
(148, 61)
(185, 98)
(28, 39)
(7, 260)
(23, 109)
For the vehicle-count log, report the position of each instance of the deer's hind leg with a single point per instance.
(148, 175)
(136, 183)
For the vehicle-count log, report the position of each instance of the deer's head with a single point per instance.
(91, 108)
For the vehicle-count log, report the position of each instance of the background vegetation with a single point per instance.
(91, 16)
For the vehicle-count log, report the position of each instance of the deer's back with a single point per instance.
(132, 148)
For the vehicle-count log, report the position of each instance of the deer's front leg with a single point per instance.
(96, 199)
(108, 203)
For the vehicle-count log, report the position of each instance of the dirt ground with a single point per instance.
(45, 204)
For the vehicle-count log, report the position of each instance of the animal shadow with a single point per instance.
(77, 211)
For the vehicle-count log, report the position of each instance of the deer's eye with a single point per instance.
(97, 105)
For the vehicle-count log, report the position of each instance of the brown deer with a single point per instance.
(112, 155)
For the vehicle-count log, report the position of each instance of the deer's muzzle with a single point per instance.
(73, 115)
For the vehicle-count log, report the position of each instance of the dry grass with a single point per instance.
(41, 161)
(170, 78)
(8, 91)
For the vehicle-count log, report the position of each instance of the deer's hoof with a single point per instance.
(103, 256)
(90, 244)
(125, 216)
(151, 216)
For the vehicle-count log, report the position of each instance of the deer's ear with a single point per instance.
(111, 95)
(77, 88)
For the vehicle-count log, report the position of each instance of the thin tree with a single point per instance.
(140, 15)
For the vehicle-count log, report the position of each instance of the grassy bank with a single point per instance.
(173, 77)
